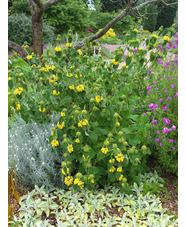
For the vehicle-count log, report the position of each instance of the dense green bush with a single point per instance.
(20, 29)
(34, 161)
(150, 18)
(67, 15)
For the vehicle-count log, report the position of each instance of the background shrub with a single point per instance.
(150, 18)
(34, 161)
(20, 29)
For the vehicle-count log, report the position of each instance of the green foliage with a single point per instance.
(105, 207)
(34, 161)
(20, 29)
(122, 26)
(166, 14)
(150, 18)
(110, 6)
(69, 15)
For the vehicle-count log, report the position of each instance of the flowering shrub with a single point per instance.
(110, 33)
(162, 96)
(101, 126)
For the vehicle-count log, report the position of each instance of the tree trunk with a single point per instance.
(37, 33)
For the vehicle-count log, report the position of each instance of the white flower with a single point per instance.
(32, 158)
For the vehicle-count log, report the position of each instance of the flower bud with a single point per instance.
(63, 164)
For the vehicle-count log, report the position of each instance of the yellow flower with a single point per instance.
(119, 169)
(55, 143)
(153, 35)
(77, 141)
(80, 88)
(29, 57)
(112, 160)
(63, 114)
(71, 87)
(9, 78)
(76, 76)
(57, 49)
(98, 98)
(78, 182)
(55, 92)
(61, 126)
(18, 91)
(85, 122)
(70, 148)
(104, 150)
(18, 107)
(110, 33)
(136, 30)
(40, 110)
(80, 124)
(79, 52)
(69, 75)
(115, 62)
(129, 55)
(68, 44)
(166, 38)
(52, 133)
(68, 180)
(117, 124)
(119, 157)
(121, 177)
(112, 169)
(53, 67)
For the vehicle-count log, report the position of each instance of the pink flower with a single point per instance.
(176, 95)
(164, 108)
(171, 140)
(154, 121)
(167, 121)
(161, 144)
(157, 140)
(173, 148)
(160, 100)
(173, 127)
(172, 86)
(166, 130)
(151, 105)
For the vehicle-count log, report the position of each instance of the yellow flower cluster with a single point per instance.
(68, 44)
(70, 148)
(166, 38)
(83, 123)
(80, 88)
(28, 57)
(55, 92)
(121, 177)
(104, 150)
(112, 160)
(78, 182)
(112, 169)
(47, 68)
(55, 143)
(18, 91)
(71, 87)
(119, 169)
(153, 35)
(69, 75)
(68, 180)
(115, 62)
(63, 114)
(79, 52)
(40, 110)
(63, 172)
(77, 141)
(18, 107)
(117, 124)
(119, 157)
(58, 49)
(110, 33)
(98, 98)
(135, 30)
(61, 126)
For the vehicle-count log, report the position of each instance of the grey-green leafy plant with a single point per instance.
(90, 208)
(34, 160)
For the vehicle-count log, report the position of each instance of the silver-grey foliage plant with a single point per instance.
(33, 158)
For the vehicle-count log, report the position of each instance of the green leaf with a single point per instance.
(102, 131)
(93, 137)
(100, 156)
(10, 84)
(134, 140)
(152, 56)
(134, 117)
(126, 130)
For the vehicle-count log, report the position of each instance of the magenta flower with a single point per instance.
(161, 144)
(159, 47)
(164, 108)
(167, 121)
(154, 121)
(135, 49)
(144, 114)
(173, 127)
(148, 88)
(172, 86)
(173, 148)
(174, 46)
(161, 100)
(149, 72)
(154, 82)
(168, 77)
(155, 106)
(167, 105)
(168, 47)
(171, 140)
(166, 92)
(158, 131)
(156, 88)
(169, 98)
(176, 95)
(157, 140)
(151, 105)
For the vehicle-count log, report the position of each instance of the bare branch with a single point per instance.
(49, 3)
(18, 49)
